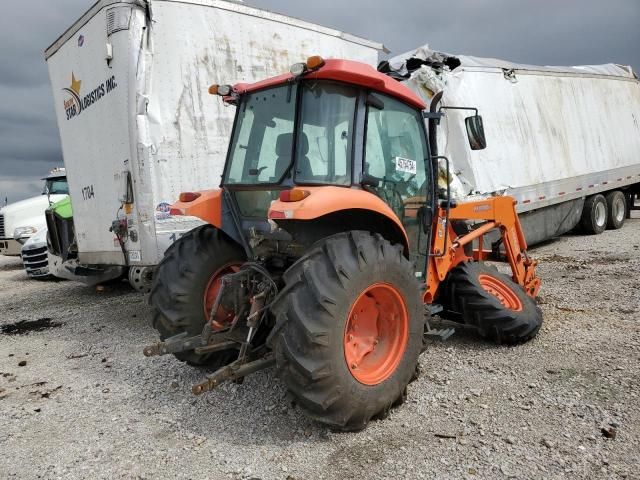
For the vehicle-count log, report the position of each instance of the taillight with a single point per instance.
(176, 211)
(188, 196)
(293, 195)
(277, 215)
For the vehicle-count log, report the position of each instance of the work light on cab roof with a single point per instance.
(313, 63)
(222, 90)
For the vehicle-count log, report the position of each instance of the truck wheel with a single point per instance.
(141, 278)
(616, 209)
(594, 215)
(349, 329)
(185, 286)
(493, 303)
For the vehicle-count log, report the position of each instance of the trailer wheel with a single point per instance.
(349, 329)
(616, 209)
(185, 286)
(594, 215)
(480, 296)
(141, 278)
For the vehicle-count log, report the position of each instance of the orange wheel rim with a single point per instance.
(376, 334)
(222, 317)
(501, 291)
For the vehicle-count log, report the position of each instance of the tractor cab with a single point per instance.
(332, 123)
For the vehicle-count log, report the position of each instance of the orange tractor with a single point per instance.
(330, 246)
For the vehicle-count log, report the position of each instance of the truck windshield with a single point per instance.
(56, 186)
(262, 148)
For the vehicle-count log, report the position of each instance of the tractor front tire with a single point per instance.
(184, 276)
(493, 303)
(349, 329)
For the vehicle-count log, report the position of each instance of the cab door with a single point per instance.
(397, 169)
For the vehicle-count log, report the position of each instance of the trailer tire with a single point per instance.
(349, 280)
(594, 215)
(180, 282)
(616, 209)
(491, 302)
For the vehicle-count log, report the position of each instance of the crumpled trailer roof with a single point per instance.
(553, 133)
(399, 63)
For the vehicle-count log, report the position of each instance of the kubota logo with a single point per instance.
(482, 208)
(76, 104)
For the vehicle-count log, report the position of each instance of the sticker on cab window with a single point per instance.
(406, 165)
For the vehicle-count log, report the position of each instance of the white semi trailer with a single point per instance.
(563, 141)
(130, 82)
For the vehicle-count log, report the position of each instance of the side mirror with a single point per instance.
(475, 132)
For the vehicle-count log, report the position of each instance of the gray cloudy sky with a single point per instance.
(547, 32)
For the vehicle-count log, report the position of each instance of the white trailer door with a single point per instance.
(90, 76)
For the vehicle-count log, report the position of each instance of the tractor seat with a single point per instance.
(283, 152)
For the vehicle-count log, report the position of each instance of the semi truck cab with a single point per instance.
(20, 220)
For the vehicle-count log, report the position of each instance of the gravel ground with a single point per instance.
(87, 404)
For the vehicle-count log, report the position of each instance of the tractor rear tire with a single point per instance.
(493, 303)
(616, 209)
(181, 281)
(349, 329)
(594, 215)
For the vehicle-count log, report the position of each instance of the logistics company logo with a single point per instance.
(163, 210)
(75, 104)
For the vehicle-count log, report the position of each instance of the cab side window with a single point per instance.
(396, 158)
(395, 154)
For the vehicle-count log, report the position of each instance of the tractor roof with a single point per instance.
(347, 71)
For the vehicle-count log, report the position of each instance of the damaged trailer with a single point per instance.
(563, 141)
(130, 81)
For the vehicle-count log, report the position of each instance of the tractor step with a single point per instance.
(441, 334)
(433, 309)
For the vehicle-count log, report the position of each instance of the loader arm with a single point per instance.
(499, 213)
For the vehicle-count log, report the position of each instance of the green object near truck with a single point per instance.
(62, 208)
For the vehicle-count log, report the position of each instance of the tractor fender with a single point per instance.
(341, 209)
(207, 206)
